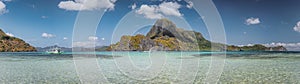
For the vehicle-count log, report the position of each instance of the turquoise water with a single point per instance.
(137, 67)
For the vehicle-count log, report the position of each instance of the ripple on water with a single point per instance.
(239, 68)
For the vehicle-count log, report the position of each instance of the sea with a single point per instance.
(150, 67)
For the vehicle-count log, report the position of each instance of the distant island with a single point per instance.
(13, 44)
(164, 35)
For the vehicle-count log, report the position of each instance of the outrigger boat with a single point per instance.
(55, 50)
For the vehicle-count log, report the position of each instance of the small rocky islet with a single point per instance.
(165, 35)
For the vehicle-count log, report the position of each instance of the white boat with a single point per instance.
(55, 50)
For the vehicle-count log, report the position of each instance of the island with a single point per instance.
(165, 35)
(13, 44)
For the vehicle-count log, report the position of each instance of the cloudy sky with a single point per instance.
(49, 22)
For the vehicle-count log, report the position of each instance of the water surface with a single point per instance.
(240, 67)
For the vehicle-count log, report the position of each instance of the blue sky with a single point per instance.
(47, 22)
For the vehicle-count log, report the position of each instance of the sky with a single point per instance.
(246, 22)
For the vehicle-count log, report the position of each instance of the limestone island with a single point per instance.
(164, 35)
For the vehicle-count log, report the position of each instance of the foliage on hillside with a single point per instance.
(164, 34)
(13, 44)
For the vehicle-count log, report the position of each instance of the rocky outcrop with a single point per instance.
(164, 35)
(13, 44)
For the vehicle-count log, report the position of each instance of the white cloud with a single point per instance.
(297, 27)
(133, 6)
(158, 11)
(3, 8)
(92, 42)
(245, 45)
(65, 38)
(10, 34)
(93, 38)
(7, 0)
(103, 39)
(113, 1)
(289, 46)
(44, 17)
(46, 35)
(79, 5)
(252, 21)
(150, 12)
(190, 4)
(170, 8)
(85, 44)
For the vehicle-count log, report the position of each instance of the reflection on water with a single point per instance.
(240, 67)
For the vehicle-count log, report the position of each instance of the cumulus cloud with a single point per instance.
(190, 4)
(79, 5)
(103, 39)
(133, 6)
(10, 34)
(158, 11)
(46, 35)
(93, 38)
(65, 38)
(297, 27)
(245, 45)
(85, 44)
(289, 46)
(150, 12)
(252, 21)
(44, 17)
(91, 42)
(7, 0)
(170, 8)
(3, 8)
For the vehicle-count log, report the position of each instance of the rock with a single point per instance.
(13, 44)
(164, 27)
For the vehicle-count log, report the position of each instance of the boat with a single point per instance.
(55, 50)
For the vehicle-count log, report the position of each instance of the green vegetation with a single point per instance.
(13, 44)
(164, 34)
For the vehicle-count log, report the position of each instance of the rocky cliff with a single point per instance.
(13, 44)
(165, 35)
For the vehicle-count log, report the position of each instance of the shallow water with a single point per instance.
(142, 67)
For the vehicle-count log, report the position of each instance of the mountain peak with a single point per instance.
(164, 23)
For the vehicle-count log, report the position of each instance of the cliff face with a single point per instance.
(164, 35)
(13, 44)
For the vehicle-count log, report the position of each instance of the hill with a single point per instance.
(165, 35)
(13, 44)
